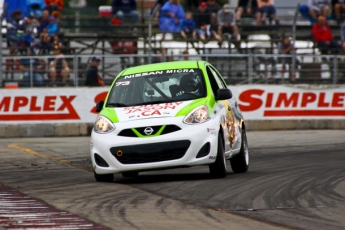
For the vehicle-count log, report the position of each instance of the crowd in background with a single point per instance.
(35, 27)
(36, 30)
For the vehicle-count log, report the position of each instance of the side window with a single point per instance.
(219, 79)
(213, 81)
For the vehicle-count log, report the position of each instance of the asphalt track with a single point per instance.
(296, 180)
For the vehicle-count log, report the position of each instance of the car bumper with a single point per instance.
(176, 149)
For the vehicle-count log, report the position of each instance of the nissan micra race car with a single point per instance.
(168, 115)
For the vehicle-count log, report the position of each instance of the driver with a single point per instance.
(189, 84)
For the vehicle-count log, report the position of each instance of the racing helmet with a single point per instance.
(189, 83)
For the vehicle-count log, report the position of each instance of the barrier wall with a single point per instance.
(38, 112)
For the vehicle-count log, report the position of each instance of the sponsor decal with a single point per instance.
(151, 110)
(122, 83)
(212, 157)
(159, 72)
(210, 129)
(290, 104)
(34, 108)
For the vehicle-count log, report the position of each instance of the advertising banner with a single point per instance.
(257, 102)
(264, 102)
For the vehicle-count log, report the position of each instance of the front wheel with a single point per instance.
(218, 168)
(240, 162)
(103, 177)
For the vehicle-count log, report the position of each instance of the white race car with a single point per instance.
(168, 115)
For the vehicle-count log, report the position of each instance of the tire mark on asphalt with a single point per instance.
(122, 211)
(57, 159)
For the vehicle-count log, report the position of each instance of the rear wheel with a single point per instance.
(240, 162)
(130, 174)
(218, 168)
(103, 177)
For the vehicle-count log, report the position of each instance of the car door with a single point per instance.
(232, 127)
(221, 108)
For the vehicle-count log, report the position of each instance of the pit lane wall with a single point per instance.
(39, 112)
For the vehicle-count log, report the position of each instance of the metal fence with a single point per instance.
(235, 68)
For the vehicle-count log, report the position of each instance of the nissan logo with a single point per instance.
(148, 130)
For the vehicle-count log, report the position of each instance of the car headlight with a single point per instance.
(103, 125)
(197, 116)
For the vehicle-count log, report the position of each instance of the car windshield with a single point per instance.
(157, 87)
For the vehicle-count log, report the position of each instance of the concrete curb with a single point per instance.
(84, 129)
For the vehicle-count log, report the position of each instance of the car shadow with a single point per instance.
(166, 177)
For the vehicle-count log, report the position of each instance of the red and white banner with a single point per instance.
(257, 102)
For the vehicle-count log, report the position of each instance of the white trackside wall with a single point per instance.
(257, 102)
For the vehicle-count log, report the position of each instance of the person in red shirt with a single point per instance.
(323, 36)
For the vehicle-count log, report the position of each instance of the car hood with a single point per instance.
(150, 111)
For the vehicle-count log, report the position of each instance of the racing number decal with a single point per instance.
(122, 83)
(229, 122)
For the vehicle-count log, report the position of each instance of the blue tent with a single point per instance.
(12, 5)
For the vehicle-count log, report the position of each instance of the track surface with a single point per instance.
(296, 180)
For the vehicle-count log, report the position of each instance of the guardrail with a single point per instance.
(235, 68)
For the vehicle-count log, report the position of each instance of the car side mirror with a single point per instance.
(223, 94)
(99, 106)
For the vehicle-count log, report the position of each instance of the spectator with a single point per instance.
(58, 67)
(30, 24)
(46, 37)
(338, 7)
(125, 8)
(323, 36)
(226, 22)
(171, 16)
(31, 68)
(52, 27)
(13, 27)
(213, 6)
(318, 7)
(250, 8)
(158, 4)
(92, 76)
(188, 26)
(267, 9)
(43, 21)
(201, 17)
(209, 31)
(286, 48)
(45, 42)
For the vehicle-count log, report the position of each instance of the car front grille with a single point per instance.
(148, 153)
(167, 129)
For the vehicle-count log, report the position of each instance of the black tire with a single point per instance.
(240, 162)
(218, 168)
(130, 174)
(103, 177)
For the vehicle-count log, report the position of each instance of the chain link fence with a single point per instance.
(235, 68)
